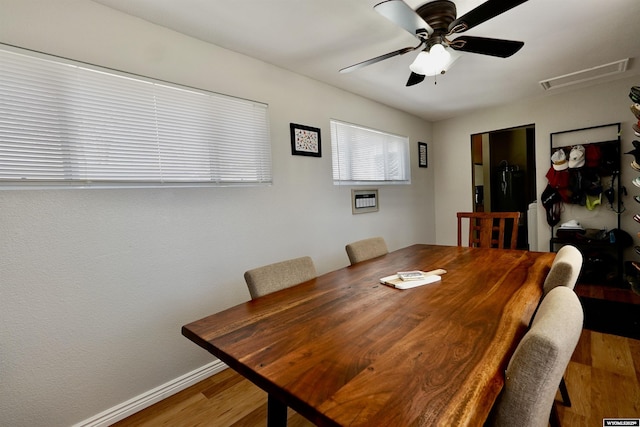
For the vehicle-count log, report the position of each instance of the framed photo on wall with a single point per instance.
(305, 141)
(422, 155)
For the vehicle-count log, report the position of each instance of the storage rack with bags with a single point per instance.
(590, 179)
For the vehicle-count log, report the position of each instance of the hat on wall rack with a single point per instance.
(552, 203)
(576, 157)
(559, 160)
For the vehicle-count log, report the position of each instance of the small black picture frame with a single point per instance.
(305, 141)
(422, 155)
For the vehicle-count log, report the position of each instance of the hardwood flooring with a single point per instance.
(603, 379)
(222, 400)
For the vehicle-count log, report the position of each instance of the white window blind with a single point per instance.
(65, 123)
(366, 156)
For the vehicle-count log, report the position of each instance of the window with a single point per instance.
(68, 124)
(366, 156)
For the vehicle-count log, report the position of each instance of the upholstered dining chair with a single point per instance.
(565, 269)
(363, 250)
(488, 229)
(538, 363)
(280, 275)
(564, 272)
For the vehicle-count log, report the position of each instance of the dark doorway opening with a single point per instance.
(504, 174)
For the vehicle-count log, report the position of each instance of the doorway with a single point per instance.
(504, 174)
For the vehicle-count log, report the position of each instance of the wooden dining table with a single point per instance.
(345, 350)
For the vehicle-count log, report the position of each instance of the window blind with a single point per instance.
(65, 123)
(364, 156)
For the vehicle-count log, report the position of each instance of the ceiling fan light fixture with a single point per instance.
(418, 65)
(439, 54)
(436, 61)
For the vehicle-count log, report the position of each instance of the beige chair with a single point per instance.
(565, 269)
(363, 250)
(538, 363)
(487, 229)
(564, 272)
(274, 277)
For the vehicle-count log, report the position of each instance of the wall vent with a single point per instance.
(586, 75)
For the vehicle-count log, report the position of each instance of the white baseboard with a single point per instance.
(144, 400)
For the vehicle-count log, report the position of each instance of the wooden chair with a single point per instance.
(538, 363)
(274, 277)
(363, 250)
(487, 229)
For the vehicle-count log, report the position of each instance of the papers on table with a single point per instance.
(415, 278)
(411, 275)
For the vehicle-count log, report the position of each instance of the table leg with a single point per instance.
(276, 413)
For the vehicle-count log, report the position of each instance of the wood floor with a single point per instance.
(603, 379)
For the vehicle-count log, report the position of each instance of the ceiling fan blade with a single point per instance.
(486, 46)
(484, 12)
(414, 79)
(379, 58)
(401, 14)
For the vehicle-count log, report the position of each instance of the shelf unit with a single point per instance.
(603, 259)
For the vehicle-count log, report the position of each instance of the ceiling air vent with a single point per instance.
(586, 75)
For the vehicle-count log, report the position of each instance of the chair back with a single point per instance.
(363, 250)
(487, 229)
(565, 269)
(274, 277)
(539, 361)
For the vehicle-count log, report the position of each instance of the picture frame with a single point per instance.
(305, 140)
(423, 160)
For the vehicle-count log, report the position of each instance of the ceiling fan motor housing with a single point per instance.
(439, 13)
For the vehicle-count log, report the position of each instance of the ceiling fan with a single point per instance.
(432, 24)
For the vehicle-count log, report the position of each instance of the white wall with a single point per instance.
(95, 284)
(579, 108)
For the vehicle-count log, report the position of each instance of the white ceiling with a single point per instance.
(316, 38)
